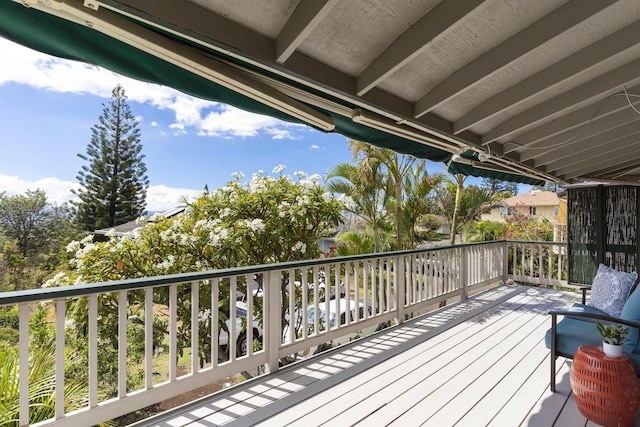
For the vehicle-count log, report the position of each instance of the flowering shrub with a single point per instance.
(265, 220)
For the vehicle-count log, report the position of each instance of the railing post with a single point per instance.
(464, 266)
(273, 330)
(400, 285)
(505, 260)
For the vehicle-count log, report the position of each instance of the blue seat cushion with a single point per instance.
(631, 312)
(571, 333)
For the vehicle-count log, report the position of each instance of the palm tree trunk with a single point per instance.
(456, 207)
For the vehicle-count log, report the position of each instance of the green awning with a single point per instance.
(65, 39)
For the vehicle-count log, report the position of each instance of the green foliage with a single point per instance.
(42, 392)
(524, 227)
(114, 183)
(354, 243)
(484, 231)
(461, 206)
(265, 220)
(505, 189)
(389, 193)
(613, 334)
(32, 233)
(31, 222)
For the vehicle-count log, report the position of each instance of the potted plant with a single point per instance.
(612, 338)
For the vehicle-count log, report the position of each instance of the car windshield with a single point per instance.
(241, 312)
(321, 315)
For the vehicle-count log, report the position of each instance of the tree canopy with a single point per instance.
(114, 182)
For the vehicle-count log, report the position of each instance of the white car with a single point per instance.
(241, 334)
(356, 311)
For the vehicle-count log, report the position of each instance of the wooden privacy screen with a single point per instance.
(602, 228)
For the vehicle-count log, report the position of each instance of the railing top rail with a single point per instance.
(32, 295)
(541, 242)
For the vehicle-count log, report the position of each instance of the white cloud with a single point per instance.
(230, 121)
(208, 118)
(159, 197)
(57, 190)
(154, 123)
(315, 147)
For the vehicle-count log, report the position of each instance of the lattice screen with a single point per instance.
(603, 228)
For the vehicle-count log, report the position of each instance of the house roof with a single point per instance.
(122, 229)
(533, 198)
(541, 89)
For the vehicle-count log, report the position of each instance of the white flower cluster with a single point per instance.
(156, 217)
(59, 279)
(279, 169)
(256, 225)
(81, 249)
(347, 201)
(166, 265)
(299, 246)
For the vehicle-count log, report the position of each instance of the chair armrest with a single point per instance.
(605, 318)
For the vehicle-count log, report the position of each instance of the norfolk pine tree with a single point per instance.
(114, 182)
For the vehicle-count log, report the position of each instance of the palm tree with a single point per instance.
(417, 186)
(42, 386)
(365, 185)
(460, 206)
(354, 243)
(397, 167)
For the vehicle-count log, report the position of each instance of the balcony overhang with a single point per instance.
(540, 91)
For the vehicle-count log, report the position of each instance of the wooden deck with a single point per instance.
(474, 363)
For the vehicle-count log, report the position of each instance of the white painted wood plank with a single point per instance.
(449, 407)
(570, 415)
(534, 402)
(400, 392)
(414, 359)
(460, 374)
(380, 374)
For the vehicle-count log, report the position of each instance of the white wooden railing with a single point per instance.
(386, 289)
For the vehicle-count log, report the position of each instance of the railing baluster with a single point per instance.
(23, 350)
(304, 307)
(215, 315)
(292, 310)
(327, 292)
(195, 327)
(173, 331)
(249, 331)
(60, 344)
(122, 344)
(93, 350)
(316, 303)
(233, 330)
(148, 338)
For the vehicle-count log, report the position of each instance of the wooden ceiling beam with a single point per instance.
(414, 41)
(586, 94)
(557, 73)
(555, 23)
(306, 16)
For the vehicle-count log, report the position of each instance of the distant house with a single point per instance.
(535, 203)
(122, 229)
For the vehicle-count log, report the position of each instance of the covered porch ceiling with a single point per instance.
(521, 90)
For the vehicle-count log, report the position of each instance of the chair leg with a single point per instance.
(552, 355)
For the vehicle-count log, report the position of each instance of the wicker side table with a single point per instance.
(606, 389)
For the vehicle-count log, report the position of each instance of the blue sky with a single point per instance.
(48, 106)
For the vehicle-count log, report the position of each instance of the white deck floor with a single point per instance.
(474, 363)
